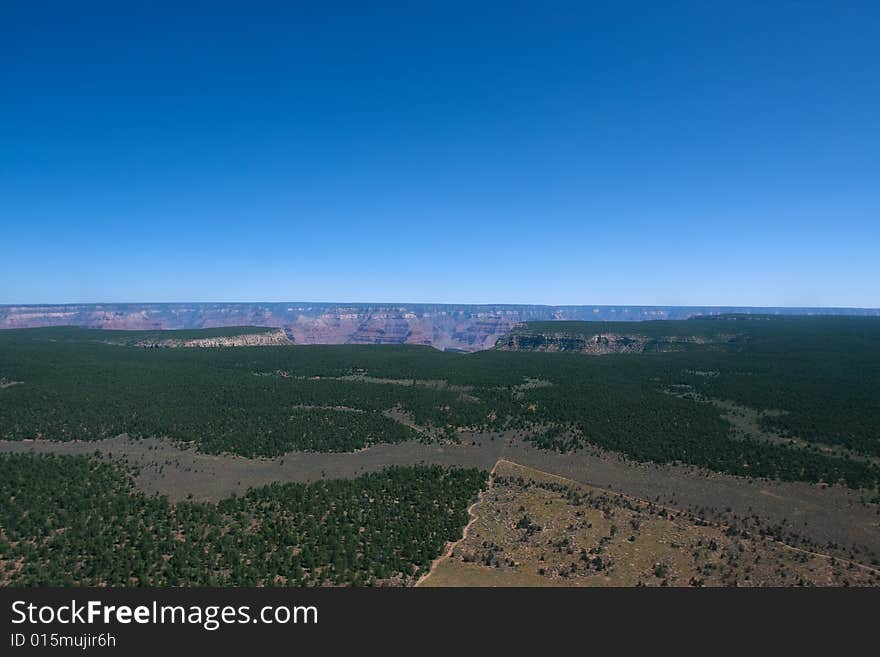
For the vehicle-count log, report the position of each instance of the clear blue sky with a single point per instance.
(644, 153)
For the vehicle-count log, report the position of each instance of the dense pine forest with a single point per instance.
(74, 520)
(814, 379)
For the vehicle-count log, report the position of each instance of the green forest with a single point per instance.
(77, 521)
(811, 378)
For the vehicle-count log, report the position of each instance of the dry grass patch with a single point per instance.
(537, 529)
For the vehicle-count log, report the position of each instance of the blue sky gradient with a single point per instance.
(705, 153)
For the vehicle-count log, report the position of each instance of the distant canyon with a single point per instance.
(449, 327)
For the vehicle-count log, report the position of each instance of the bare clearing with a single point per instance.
(535, 528)
(830, 519)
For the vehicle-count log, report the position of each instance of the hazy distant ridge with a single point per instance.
(465, 327)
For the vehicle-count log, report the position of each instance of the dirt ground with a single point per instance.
(533, 528)
(830, 519)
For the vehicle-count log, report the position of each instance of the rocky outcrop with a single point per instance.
(603, 343)
(592, 344)
(263, 339)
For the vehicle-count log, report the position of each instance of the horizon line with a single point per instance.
(433, 303)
